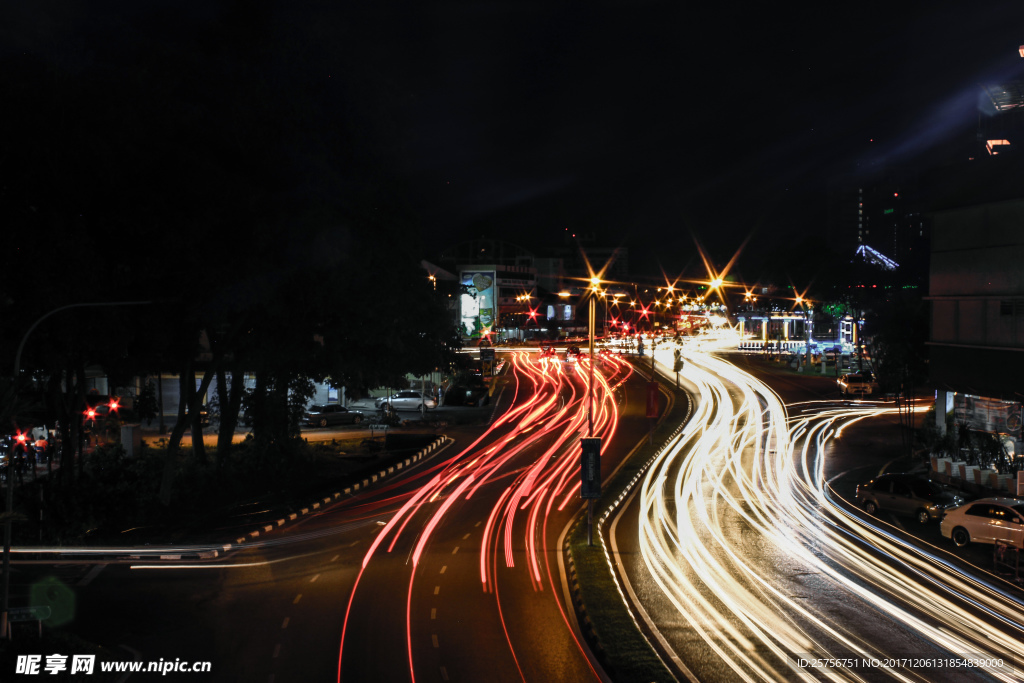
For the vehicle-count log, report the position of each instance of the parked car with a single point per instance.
(407, 400)
(332, 414)
(862, 383)
(985, 521)
(460, 395)
(906, 494)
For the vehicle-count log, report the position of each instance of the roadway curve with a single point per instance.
(742, 561)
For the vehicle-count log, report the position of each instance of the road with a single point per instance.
(745, 564)
(449, 570)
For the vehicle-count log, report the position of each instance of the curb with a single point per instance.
(439, 443)
(600, 517)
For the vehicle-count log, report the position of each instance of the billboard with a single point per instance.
(988, 414)
(476, 303)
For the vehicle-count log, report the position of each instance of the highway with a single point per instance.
(451, 569)
(744, 565)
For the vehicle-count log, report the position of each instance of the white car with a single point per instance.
(985, 521)
(407, 400)
(862, 383)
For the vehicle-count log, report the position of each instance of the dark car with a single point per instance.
(461, 395)
(906, 494)
(332, 414)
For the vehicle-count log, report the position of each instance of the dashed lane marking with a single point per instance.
(297, 598)
(93, 573)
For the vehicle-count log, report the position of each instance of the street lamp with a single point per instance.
(6, 581)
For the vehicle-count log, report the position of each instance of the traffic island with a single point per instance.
(609, 626)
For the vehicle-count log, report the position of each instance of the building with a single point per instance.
(976, 292)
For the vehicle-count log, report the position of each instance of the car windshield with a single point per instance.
(1019, 509)
(925, 489)
(316, 409)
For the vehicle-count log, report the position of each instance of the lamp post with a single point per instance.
(6, 581)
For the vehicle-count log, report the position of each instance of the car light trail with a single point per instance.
(736, 506)
(544, 424)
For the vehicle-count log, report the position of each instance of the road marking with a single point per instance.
(277, 650)
(465, 537)
(475, 525)
(433, 613)
(333, 559)
(444, 674)
(353, 543)
(284, 624)
(297, 598)
(455, 550)
(437, 589)
(433, 639)
(314, 578)
(93, 573)
(444, 568)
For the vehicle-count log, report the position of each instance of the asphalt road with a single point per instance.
(451, 569)
(743, 562)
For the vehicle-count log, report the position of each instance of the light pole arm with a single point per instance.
(21, 345)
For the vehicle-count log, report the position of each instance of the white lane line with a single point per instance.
(455, 550)
(437, 589)
(335, 558)
(93, 573)
(475, 525)
(433, 613)
(277, 650)
(444, 674)
(465, 537)
(297, 598)
(433, 639)
(284, 624)
(444, 569)
(314, 578)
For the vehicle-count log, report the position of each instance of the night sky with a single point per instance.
(644, 123)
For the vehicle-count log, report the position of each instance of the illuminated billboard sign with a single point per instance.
(476, 304)
(988, 414)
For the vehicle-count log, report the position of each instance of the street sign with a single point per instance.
(39, 613)
(590, 468)
(652, 399)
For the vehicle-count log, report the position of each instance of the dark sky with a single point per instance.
(644, 123)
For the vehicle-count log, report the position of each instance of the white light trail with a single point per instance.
(737, 506)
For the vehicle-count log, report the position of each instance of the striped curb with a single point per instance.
(586, 625)
(440, 442)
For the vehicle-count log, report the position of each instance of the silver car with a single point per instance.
(407, 400)
(906, 494)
